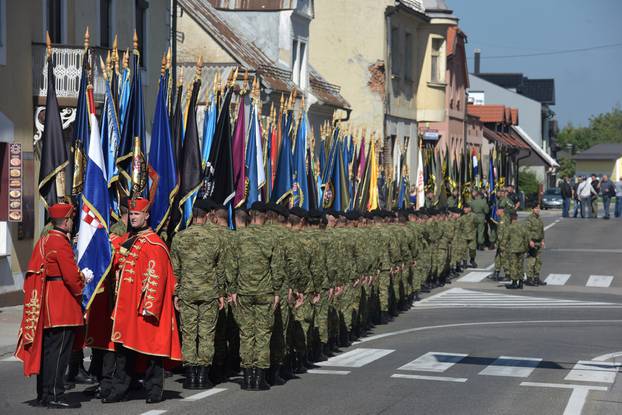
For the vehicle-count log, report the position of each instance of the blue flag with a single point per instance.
(283, 178)
(110, 137)
(255, 172)
(299, 176)
(209, 128)
(124, 95)
(163, 172)
(491, 188)
(94, 250)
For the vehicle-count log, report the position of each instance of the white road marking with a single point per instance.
(605, 357)
(474, 276)
(481, 323)
(328, 372)
(557, 279)
(463, 298)
(439, 378)
(10, 359)
(549, 226)
(599, 281)
(516, 367)
(154, 412)
(356, 358)
(590, 371)
(577, 397)
(204, 394)
(434, 362)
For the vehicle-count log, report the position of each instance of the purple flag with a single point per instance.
(239, 175)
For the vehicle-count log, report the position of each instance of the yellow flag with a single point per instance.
(373, 178)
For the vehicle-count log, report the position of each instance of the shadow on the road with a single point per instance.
(486, 361)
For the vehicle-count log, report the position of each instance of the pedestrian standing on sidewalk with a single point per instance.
(585, 191)
(594, 197)
(566, 191)
(618, 210)
(607, 191)
(578, 209)
(52, 310)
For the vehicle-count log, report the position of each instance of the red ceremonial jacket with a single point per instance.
(144, 317)
(99, 318)
(52, 292)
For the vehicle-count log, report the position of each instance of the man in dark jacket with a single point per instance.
(566, 191)
(607, 191)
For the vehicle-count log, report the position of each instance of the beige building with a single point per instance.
(23, 25)
(389, 58)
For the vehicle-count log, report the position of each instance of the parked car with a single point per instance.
(552, 199)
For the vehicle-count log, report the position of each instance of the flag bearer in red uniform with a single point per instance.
(52, 310)
(143, 317)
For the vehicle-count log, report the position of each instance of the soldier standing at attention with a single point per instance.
(48, 328)
(480, 208)
(502, 226)
(255, 266)
(517, 243)
(470, 233)
(535, 230)
(197, 257)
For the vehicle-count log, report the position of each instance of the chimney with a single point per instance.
(476, 61)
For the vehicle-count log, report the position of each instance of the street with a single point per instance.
(471, 347)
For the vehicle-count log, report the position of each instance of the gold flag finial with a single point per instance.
(199, 67)
(163, 67)
(108, 61)
(126, 59)
(48, 44)
(115, 42)
(245, 81)
(233, 77)
(87, 38)
(169, 58)
(135, 40)
(103, 67)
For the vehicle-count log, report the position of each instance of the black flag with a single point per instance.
(54, 157)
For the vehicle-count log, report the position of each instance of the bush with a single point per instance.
(527, 182)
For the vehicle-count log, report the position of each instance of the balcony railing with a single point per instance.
(67, 70)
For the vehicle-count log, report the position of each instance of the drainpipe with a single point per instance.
(174, 43)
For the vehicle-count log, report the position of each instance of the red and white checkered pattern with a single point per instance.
(90, 218)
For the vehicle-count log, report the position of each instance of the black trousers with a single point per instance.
(102, 366)
(56, 351)
(123, 371)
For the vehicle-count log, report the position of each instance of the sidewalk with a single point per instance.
(10, 319)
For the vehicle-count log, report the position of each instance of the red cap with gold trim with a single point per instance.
(140, 204)
(60, 210)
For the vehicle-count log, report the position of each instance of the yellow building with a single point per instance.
(23, 25)
(600, 159)
(389, 58)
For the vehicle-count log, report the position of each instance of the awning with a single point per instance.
(504, 139)
(536, 156)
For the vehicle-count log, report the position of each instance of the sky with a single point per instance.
(586, 83)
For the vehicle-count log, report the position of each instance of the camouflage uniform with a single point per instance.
(517, 243)
(196, 255)
(535, 231)
(502, 238)
(480, 208)
(469, 228)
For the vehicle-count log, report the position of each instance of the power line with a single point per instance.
(556, 52)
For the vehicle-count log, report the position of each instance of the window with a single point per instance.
(299, 63)
(408, 56)
(395, 52)
(105, 23)
(54, 20)
(140, 15)
(437, 62)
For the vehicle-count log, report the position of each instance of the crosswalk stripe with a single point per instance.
(463, 298)
(205, 394)
(602, 281)
(474, 276)
(10, 359)
(328, 372)
(591, 371)
(557, 279)
(155, 412)
(422, 377)
(356, 358)
(434, 362)
(518, 367)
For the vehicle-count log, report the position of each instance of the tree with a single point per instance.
(603, 128)
(566, 167)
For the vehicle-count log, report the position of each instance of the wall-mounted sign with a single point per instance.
(15, 205)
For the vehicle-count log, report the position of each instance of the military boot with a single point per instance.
(496, 276)
(531, 282)
(203, 381)
(287, 369)
(260, 380)
(473, 264)
(539, 281)
(274, 376)
(512, 286)
(190, 380)
(246, 380)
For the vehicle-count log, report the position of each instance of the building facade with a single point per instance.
(23, 27)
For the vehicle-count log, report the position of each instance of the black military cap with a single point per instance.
(300, 212)
(353, 215)
(208, 205)
(335, 213)
(367, 215)
(274, 207)
(259, 206)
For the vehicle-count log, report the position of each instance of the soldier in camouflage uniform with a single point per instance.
(502, 238)
(255, 266)
(535, 230)
(479, 206)
(517, 244)
(197, 258)
(470, 234)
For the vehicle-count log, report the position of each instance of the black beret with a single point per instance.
(353, 215)
(334, 213)
(207, 205)
(368, 215)
(274, 207)
(298, 211)
(315, 214)
(259, 206)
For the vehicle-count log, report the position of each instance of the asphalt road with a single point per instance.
(472, 347)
